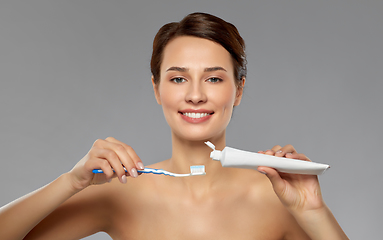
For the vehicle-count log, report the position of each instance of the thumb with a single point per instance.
(275, 179)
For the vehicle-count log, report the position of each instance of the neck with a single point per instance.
(186, 153)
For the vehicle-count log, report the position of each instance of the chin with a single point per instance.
(198, 136)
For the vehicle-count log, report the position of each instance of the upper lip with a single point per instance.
(196, 111)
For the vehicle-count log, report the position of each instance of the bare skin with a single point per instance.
(242, 206)
(226, 203)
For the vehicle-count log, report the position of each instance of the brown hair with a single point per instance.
(205, 26)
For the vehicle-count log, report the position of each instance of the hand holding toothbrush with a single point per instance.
(111, 156)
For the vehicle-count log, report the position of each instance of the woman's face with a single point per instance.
(197, 89)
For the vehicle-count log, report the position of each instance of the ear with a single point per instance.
(239, 94)
(156, 91)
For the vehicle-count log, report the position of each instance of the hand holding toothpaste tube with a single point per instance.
(298, 192)
(301, 195)
(292, 175)
(294, 180)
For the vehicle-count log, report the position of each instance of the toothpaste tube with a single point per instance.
(231, 157)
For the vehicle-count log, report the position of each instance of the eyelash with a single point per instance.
(176, 80)
(215, 78)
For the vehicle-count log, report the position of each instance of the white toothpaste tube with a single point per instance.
(231, 157)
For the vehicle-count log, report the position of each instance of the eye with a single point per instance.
(178, 80)
(214, 80)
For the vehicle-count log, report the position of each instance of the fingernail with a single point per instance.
(133, 173)
(279, 151)
(124, 179)
(140, 165)
(109, 180)
(262, 172)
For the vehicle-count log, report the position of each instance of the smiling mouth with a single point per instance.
(196, 115)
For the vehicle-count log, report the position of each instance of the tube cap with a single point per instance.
(210, 145)
(216, 155)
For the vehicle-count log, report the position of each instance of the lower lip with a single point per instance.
(196, 120)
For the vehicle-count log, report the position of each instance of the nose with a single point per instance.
(196, 93)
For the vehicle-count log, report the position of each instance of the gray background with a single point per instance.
(75, 71)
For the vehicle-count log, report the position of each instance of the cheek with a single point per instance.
(169, 97)
(225, 98)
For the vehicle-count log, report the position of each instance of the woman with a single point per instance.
(199, 71)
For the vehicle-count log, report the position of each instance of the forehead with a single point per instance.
(195, 53)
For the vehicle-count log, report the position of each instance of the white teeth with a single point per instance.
(195, 115)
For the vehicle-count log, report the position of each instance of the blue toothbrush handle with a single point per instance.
(140, 171)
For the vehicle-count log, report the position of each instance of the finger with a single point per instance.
(123, 156)
(270, 152)
(275, 179)
(101, 178)
(273, 150)
(276, 148)
(129, 157)
(285, 150)
(107, 170)
(99, 163)
(125, 159)
(114, 161)
(299, 156)
(288, 149)
(136, 159)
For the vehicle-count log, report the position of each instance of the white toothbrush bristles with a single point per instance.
(197, 170)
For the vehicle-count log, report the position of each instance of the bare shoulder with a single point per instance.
(264, 207)
(257, 190)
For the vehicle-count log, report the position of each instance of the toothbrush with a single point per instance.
(194, 171)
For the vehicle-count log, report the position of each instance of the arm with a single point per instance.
(301, 195)
(84, 214)
(21, 215)
(59, 209)
(320, 224)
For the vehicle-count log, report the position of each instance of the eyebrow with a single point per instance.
(178, 69)
(213, 69)
(183, 69)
